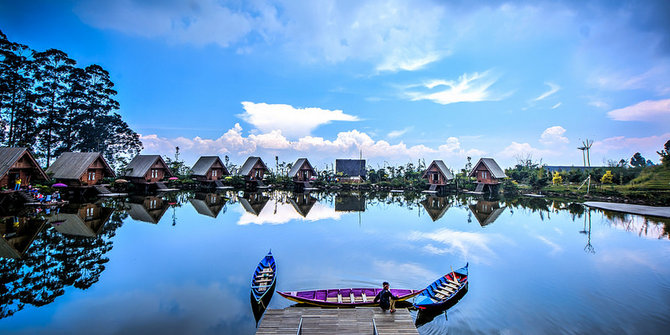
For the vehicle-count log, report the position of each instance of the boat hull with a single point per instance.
(264, 277)
(350, 297)
(439, 294)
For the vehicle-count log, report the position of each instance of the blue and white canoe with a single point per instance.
(446, 288)
(264, 277)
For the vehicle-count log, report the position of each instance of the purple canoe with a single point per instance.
(344, 297)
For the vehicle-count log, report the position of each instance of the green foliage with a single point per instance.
(510, 187)
(638, 161)
(50, 105)
(665, 154)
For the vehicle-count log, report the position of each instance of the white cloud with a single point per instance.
(630, 145)
(599, 104)
(553, 135)
(293, 122)
(277, 212)
(648, 110)
(468, 88)
(468, 245)
(556, 106)
(553, 88)
(398, 133)
(516, 149)
(452, 147)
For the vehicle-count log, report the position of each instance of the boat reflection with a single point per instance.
(147, 209)
(486, 212)
(427, 315)
(84, 220)
(209, 204)
(436, 206)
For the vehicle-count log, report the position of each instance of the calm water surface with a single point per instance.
(182, 263)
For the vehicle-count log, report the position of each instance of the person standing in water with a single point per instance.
(386, 299)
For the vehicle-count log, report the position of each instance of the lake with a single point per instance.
(181, 263)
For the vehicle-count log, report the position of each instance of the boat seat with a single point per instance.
(359, 298)
(455, 287)
(332, 299)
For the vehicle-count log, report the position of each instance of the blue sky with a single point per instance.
(397, 80)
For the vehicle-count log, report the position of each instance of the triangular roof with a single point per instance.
(140, 213)
(304, 208)
(250, 163)
(201, 205)
(490, 165)
(435, 212)
(298, 165)
(73, 165)
(486, 218)
(9, 156)
(257, 205)
(141, 164)
(440, 167)
(204, 163)
(351, 167)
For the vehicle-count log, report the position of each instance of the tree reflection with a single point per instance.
(52, 263)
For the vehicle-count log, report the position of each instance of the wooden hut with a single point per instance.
(301, 173)
(350, 170)
(488, 174)
(80, 169)
(253, 172)
(438, 175)
(209, 169)
(19, 163)
(147, 170)
(84, 220)
(486, 211)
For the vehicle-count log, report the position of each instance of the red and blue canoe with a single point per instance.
(446, 288)
(344, 297)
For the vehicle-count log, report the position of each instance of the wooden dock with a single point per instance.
(313, 320)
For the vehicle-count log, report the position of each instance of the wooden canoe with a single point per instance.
(344, 297)
(264, 278)
(444, 289)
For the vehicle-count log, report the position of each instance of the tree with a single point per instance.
(607, 177)
(53, 69)
(637, 160)
(665, 154)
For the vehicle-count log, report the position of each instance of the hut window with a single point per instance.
(258, 173)
(213, 173)
(91, 175)
(153, 204)
(89, 211)
(435, 177)
(154, 173)
(484, 175)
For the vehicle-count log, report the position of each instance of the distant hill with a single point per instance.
(652, 178)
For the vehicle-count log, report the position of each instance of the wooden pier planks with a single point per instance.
(336, 321)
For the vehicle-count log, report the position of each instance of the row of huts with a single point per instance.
(85, 169)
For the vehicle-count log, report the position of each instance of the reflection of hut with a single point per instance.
(18, 163)
(84, 220)
(436, 206)
(147, 209)
(349, 203)
(253, 171)
(486, 211)
(209, 204)
(146, 169)
(301, 173)
(438, 175)
(303, 203)
(80, 168)
(253, 203)
(350, 170)
(17, 234)
(488, 174)
(209, 169)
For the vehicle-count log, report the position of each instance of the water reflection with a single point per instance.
(209, 204)
(254, 203)
(425, 316)
(302, 203)
(18, 233)
(147, 209)
(350, 202)
(486, 212)
(80, 220)
(436, 206)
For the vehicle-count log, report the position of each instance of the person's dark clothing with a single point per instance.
(384, 297)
